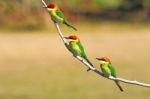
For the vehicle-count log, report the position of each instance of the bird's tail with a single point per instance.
(117, 83)
(89, 63)
(69, 25)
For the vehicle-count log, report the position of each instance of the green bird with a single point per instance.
(77, 49)
(108, 69)
(57, 15)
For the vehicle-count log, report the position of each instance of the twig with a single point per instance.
(44, 3)
(61, 34)
(92, 68)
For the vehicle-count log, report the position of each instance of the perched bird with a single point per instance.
(57, 15)
(108, 69)
(76, 48)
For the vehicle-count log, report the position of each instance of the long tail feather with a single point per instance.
(69, 25)
(117, 83)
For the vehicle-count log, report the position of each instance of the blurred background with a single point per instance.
(34, 64)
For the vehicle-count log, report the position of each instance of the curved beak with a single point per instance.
(97, 58)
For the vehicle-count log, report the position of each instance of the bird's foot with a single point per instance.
(88, 69)
(82, 60)
(74, 55)
(54, 21)
(105, 75)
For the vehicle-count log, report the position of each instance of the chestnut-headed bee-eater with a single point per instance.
(76, 48)
(57, 15)
(108, 69)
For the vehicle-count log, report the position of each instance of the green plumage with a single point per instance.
(77, 49)
(109, 70)
(58, 16)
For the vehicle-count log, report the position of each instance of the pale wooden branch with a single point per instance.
(44, 3)
(91, 67)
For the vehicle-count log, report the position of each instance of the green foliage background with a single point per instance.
(29, 14)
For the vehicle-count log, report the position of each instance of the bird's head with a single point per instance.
(73, 38)
(104, 60)
(51, 7)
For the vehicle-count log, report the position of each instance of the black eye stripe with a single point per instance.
(103, 59)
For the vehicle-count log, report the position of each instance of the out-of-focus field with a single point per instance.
(38, 66)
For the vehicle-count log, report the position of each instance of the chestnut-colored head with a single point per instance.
(73, 38)
(105, 59)
(51, 6)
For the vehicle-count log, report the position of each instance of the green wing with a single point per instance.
(60, 14)
(74, 48)
(77, 49)
(105, 69)
(61, 17)
(57, 16)
(113, 71)
(83, 54)
(82, 50)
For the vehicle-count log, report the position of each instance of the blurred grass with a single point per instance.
(38, 66)
(84, 27)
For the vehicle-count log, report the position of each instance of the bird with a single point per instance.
(77, 49)
(57, 16)
(108, 69)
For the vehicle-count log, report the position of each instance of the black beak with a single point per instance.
(97, 58)
(66, 37)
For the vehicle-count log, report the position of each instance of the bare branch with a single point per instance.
(61, 34)
(44, 3)
(91, 67)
